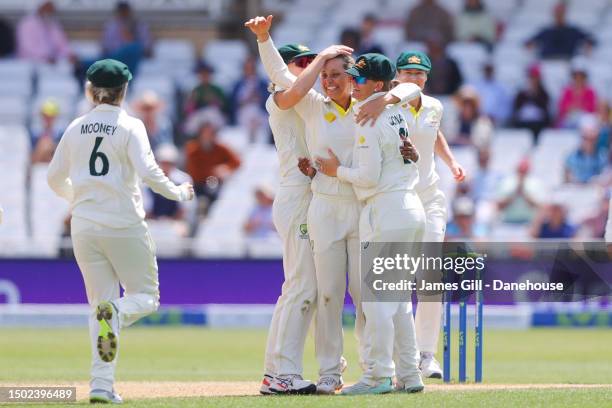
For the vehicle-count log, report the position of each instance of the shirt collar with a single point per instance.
(339, 108)
(107, 107)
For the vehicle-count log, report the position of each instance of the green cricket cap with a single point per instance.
(373, 66)
(108, 73)
(414, 60)
(292, 51)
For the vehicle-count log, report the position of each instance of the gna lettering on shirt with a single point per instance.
(98, 127)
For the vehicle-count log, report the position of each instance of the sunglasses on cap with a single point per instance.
(302, 62)
(360, 80)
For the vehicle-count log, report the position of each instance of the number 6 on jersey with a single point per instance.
(95, 155)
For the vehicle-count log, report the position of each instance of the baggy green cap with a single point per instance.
(108, 73)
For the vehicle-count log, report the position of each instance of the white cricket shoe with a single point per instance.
(292, 384)
(430, 368)
(411, 385)
(329, 384)
(265, 385)
(104, 397)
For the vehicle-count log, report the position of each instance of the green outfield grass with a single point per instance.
(194, 354)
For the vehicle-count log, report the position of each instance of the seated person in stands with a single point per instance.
(149, 108)
(586, 162)
(260, 223)
(206, 94)
(208, 161)
(519, 195)
(167, 156)
(47, 134)
(248, 100)
(551, 222)
(463, 224)
(474, 127)
(40, 36)
(560, 40)
(531, 108)
(125, 38)
(577, 98)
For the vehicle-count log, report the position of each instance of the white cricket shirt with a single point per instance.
(97, 166)
(423, 129)
(378, 166)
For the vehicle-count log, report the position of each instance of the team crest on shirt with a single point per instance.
(330, 117)
(303, 231)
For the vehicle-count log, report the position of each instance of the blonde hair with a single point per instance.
(110, 96)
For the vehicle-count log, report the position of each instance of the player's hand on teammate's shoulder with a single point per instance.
(260, 26)
(370, 111)
(187, 191)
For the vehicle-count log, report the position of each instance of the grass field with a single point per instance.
(195, 355)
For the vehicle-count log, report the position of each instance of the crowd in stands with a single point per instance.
(184, 132)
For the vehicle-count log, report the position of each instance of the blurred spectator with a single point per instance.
(362, 42)
(208, 161)
(205, 94)
(249, 99)
(429, 18)
(149, 108)
(595, 225)
(45, 140)
(494, 96)
(7, 39)
(445, 77)
(475, 24)
(586, 162)
(577, 98)
(463, 225)
(474, 128)
(260, 223)
(560, 40)
(531, 105)
(605, 118)
(485, 181)
(551, 222)
(158, 206)
(125, 38)
(519, 196)
(40, 36)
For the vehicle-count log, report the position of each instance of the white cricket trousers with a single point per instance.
(295, 306)
(429, 308)
(333, 223)
(389, 332)
(108, 258)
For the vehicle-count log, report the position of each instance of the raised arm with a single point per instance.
(141, 156)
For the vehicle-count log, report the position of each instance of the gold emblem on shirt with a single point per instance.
(362, 139)
(330, 117)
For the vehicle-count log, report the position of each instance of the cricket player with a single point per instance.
(423, 116)
(97, 167)
(333, 214)
(295, 307)
(392, 212)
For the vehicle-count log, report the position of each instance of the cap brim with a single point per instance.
(353, 72)
(305, 54)
(414, 66)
